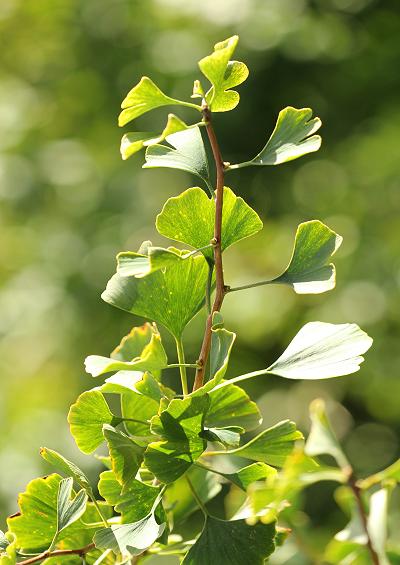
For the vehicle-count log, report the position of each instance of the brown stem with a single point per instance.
(58, 553)
(219, 273)
(357, 495)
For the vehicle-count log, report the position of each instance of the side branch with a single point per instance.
(219, 273)
(58, 553)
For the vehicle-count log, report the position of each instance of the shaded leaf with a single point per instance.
(179, 426)
(135, 141)
(187, 154)
(232, 543)
(86, 419)
(133, 501)
(171, 298)
(126, 455)
(308, 271)
(390, 473)
(292, 138)
(130, 539)
(151, 358)
(272, 446)
(223, 75)
(322, 439)
(221, 347)
(322, 351)
(146, 96)
(63, 464)
(69, 508)
(189, 218)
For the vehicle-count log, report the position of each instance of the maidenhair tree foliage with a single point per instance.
(167, 453)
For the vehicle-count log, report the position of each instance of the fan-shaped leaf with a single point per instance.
(146, 96)
(189, 218)
(289, 140)
(231, 406)
(69, 508)
(171, 297)
(63, 464)
(223, 75)
(187, 154)
(126, 455)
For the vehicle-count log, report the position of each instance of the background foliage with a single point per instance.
(68, 204)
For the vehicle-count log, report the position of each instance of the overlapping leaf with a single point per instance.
(63, 464)
(133, 142)
(221, 346)
(187, 154)
(226, 543)
(86, 419)
(146, 96)
(171, 297)
(308, 271)
(126, 455)
(223, 74)
(189, 218)
(179, 426)
(131, 264)
(292, 138)
(231, 406)
(69, 508)
(144, 344)
(272, 446)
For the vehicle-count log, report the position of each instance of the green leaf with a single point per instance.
(146, 96)
(230, 437)
(322, 439)
(221, 347)
(231, 406)
(4, 542)
(186, 154)
(308, 271)
(69, 508)
(322, 351)
(63, 464)
(130, 539)
(171, 297)
(189, 218)
(151, 358)
(133, 501)
(377, 523)
(179, 497)
(86, 419)
(223, 75)
(272, 446)
(126, 455)
(131, 264)
(179, 426)
(135, 141)
(291, 138)
(250, 474)
(36, 523)
(232, 543)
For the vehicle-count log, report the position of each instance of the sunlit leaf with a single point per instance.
(187, 154)
(377, 523)
(131, 264)
(179, 496)
(231, 406)
(146, 96)
(130, 539)
(247, 475)
(151, 358)
(322, 351)
(272, 446)
(86, 419)
(135, 141)
(322, 439)
(133, 501)
(4, 542)
(64, 465)
(171, 297)
(223, 74)
(232, 543)
(390, 473)
(230, 437)
(189, 218)
(179, 426)
(308, 271)
(292, 138)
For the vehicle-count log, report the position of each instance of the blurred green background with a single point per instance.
(69, 204)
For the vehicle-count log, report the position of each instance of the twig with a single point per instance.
(58, 553)
(357, 495)
(219, 273)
